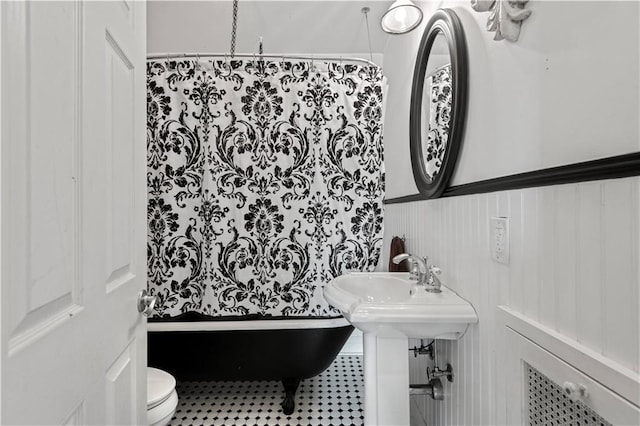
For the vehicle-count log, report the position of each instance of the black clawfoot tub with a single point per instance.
(194, 347)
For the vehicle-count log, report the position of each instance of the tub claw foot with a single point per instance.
(289, 402)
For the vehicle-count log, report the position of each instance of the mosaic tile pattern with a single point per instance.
(550, 406)
(333, 398)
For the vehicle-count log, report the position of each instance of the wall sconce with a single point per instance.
(402, 17)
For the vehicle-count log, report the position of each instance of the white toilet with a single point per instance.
(162, 398)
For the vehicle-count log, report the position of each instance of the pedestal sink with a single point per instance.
(389, 309)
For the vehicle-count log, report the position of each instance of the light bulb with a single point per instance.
(401, 15)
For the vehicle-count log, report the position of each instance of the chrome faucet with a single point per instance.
(420, 270)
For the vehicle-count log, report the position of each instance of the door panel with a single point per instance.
(73, 348)
(75, 419)
(120, 144)
(42, 241)
(120, 387)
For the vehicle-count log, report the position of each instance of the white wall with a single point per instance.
(315, 27)
(566, 92)
(575, 249)
(312, 26)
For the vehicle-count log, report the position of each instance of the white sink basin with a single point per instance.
(381, 303)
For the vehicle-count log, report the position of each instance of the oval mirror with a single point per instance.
(438, 103)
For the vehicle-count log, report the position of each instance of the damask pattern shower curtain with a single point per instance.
(265, 181)
(437, 138)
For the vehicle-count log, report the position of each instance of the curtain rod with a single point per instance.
(156, 56)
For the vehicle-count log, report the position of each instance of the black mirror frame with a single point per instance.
(443, 21)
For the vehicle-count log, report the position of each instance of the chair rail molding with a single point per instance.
(506, 16)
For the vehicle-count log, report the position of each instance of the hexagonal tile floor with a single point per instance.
(333, 398)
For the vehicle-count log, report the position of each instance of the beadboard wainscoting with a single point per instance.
(574, 255)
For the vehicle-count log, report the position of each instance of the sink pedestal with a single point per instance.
(387, 310)
(386, 380)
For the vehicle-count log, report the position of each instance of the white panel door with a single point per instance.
(73, 347)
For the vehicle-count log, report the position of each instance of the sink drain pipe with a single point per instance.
(433, 389)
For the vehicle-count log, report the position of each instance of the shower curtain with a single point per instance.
(265, 180)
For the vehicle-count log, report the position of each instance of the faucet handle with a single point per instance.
(433, 280)
(432, 274)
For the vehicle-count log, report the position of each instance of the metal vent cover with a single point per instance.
(549, 406)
